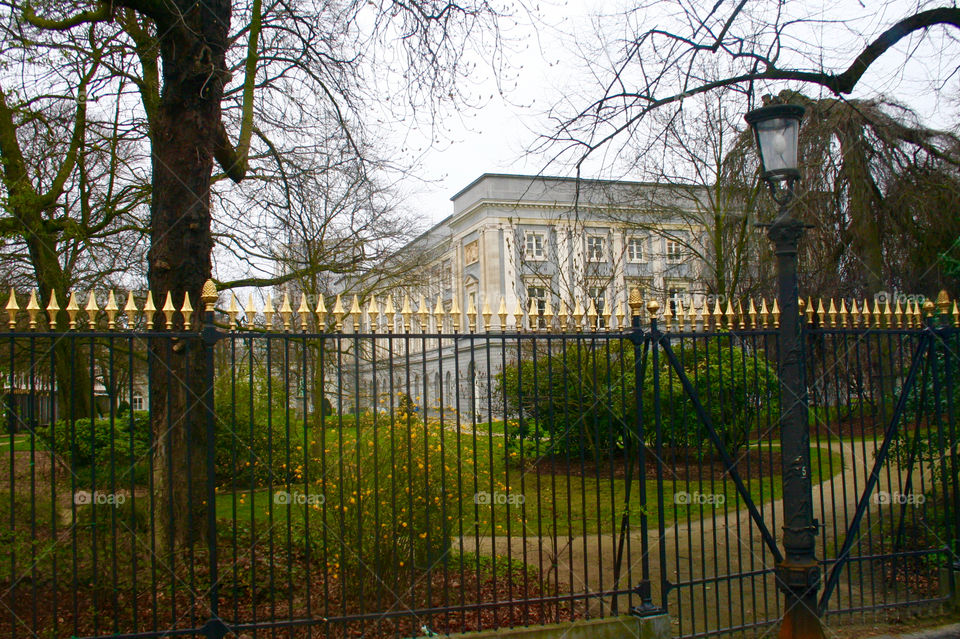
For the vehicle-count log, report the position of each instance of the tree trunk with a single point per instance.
(192, 54)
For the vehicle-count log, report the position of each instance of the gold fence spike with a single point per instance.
(752, 313)
(810, 310)
(820, 314)
(843, 313)
(438, 314)
(130, 310)
(703, 315)
(764, 313)
(356, 314)
(502, 313)
(72, 310)
(304, 312)
(717, 315)
(111, 310)
(268, 312)
(653, 308)
(33, 309)
(562, 315)
(577, 315)
(232, 311)
(865, 314)
(455, 313)
(888, 314)
(149, 310)
(407, 314)
(897, 315)
(486, 313)
(592, 315)
(286, 311)
(389, 312)
(908, 315)
(250, 311)
(321, 313)
(92, 310)
(53, 308)
(373, 314)
(635, 302)
(742, 323)
(169, 310)
(621, 314)
(956, 314)
(943, 302)
(832, 312)
(208, 296)
(338, 313)
(424, 314)
(877, 313)
(517, 316)
(471, 316)
(929, 308)
(775, 314)
(667, 316)
(729, 316)
(186, 310)
(533, 312)
(12, 309)
(605, 313)
(548, 314)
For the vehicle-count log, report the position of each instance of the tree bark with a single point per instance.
(193, 63)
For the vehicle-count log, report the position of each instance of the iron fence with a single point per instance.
(385, 482)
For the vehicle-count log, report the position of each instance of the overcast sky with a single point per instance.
(545, 65)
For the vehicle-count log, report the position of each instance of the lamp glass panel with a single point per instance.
(778, 143)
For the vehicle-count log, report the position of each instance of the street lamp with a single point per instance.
(777, 130)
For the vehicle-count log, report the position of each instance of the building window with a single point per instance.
(137, 403)
(599, 296)
(538, 294)
(674, 251)
(535, 246)
(596, 248)
(676, 297)
(635, 249)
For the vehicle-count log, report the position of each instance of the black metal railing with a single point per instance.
(238, 481)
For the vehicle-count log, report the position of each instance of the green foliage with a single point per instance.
(738, 389)
(583, 399)
(256, 428)
(102, 445)
(580, 399)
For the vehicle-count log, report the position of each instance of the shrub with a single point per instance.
(120, 445)
(584, 399)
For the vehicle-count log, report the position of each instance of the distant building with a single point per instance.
(523, 242)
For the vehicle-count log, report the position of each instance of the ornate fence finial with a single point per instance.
(621, 314)
(605, 313)
(636, 302)
(764, 314)
(373, 313)
(338, 313)
(502, 314)
(232, 311)
(752, 313)
(186, 309)
(72, 310)
(577, 315)
(486, 313)
(438, 314)
(592, 315)
(775, 313)
(455, 313)
(12, 309)
(169, 310)
(563, 316)
(286, 311)
(898, 314)
(92, 310)
(321, 313)
(471, 316)
(53, 309)
(304, 312)
(653, 308)
(268, 313)
(250, 311)
(548, 315)
(356, 314)
(406, 313)
(110, 309)
(389, 312)
(208, 296)
(33, 309)
(943, 302)
(843, 313)
(517, 316)
(424, 314)
(129, 309)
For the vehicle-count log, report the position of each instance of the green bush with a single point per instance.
(120, 446)
(584, 398)
(739, 390)
(255, 429)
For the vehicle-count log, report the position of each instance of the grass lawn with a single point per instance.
(537, 503)
(20, 443)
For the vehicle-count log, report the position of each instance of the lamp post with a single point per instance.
(777, 130)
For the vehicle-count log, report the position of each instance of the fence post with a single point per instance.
(214, 628)
(798, 575)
